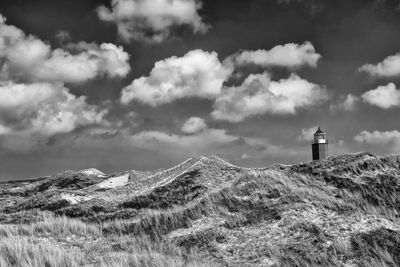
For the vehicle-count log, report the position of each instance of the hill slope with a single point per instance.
(343, 211)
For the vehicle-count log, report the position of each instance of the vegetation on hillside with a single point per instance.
(343, 211)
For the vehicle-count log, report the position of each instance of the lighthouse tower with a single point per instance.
(320, 145)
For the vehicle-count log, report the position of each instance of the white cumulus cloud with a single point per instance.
(384, 96)
(193, 125)
(152, 20)
(32, 113)
(258, 94)
(389, 67)
(290, 55)
(27, 58)
(196, 74)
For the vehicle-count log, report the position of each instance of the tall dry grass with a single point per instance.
(23, 252)
(61, 241)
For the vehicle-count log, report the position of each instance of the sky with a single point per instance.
(145, 84)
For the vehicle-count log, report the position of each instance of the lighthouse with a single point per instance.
(320, 145)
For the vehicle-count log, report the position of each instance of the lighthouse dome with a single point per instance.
(319, 131)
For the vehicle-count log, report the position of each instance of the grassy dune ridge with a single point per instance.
(343, 211)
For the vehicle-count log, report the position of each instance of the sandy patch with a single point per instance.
(75, 199)
(92, 171)
(114, 182)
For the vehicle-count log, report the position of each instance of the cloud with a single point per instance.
(164, 146)
(389, 67)
(32, 113)
(307, 134)
(258, 94)
(196, 74)
(384, 140)
(245, 156)
(152, 20)
(63, 37)
(27, 58)
(290, 55)
(194, 125)
(347, 103)
(2, 19)
(378, 137)
(201, 74)
(385, 96)
(208, 141)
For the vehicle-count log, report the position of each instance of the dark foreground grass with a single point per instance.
(60, 241)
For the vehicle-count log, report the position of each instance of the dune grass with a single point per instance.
(21, 252)
(61, 241)
(215, 214)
